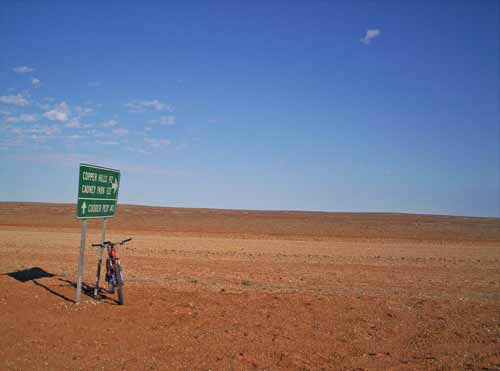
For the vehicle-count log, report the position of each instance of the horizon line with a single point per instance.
(267, 210)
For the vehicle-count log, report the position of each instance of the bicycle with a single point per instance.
(114, 272)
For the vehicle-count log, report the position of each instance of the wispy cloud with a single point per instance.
(97, 133)
(5, 112)
(21, 118)
(120, 132)
(61, 112)
(370, 35)
(61, 158)
(17, 100)
(138, 150)
(37, 133)
(109, 123)
(23, 69)
(83, 111)
(74, 117)
(47, 130)
(107, 142)
(73, 137)
(74, 124)
(36, 82)
(147, 105)
(6, 143)
(156, 143)
(167, 120)
(94, 84)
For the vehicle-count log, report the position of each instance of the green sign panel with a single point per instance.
(97, 192)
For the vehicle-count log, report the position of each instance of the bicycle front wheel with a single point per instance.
(119, 283)
(120, 295)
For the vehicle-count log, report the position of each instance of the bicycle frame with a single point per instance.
(112, 278)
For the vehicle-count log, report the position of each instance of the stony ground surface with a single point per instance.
(242, 290)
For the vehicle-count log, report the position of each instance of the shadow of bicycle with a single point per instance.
(89, 291)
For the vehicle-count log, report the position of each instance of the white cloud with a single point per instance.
(106, 142)
(147, 105)
(109, 123)
(97, 133)
(73, 137)
(164, 120)
(120, 132)
(44, 106)
(21, 118)
(94, 84)
(15, 130)
(138, 150)
(5, 112)
(35, 82)
(17, 100)
(83, 111)
(47, 130)
(167, 120)
(74, 124)
(370, 35)
(61, 113)
(39, 138)
(11, 142)
(156, 143)
(74, 118)
(38, 133)
(23, 69)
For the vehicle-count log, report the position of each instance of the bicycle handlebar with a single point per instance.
(102, 244)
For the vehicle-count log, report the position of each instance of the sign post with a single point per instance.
(97, 198)
(99, 260)
(80, 261)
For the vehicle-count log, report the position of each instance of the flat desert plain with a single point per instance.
(247, 290)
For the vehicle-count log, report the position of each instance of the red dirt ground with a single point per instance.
(248, 290)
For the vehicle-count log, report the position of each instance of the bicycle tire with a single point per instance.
(120, 295)
(119, 281)
(109, 278)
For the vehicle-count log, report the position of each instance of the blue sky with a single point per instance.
(335, 106)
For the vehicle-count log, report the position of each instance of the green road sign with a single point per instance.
(97, 192)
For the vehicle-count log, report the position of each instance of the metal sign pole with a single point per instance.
(99, 261)
(80, 261)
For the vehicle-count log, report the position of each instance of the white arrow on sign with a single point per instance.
(84, 206)
(114, 185)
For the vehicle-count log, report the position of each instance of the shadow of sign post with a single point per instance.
(30, 274)
(33, 275)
